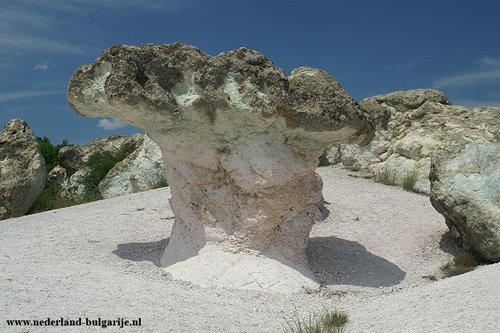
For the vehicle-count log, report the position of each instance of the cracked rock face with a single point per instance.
(67, 178)
(22, 169)
(142, 170)
(240, 142)
(411, 126)
(465, 190)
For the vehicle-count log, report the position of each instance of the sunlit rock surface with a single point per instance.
(465, 188)
(142, 170)
(22, 169)
(411, 126)
(240, 141)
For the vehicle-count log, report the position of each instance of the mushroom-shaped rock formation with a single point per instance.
(240, 142)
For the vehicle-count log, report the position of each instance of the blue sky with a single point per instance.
(371, 47)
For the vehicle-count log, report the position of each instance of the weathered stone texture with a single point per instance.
(142, 170)
(67, 177)
(240, 141)
(22, 169)
(413, 125)
(465, 189)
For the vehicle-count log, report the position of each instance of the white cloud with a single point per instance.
(9, 96)
(88, 5)
(471, 102)
(408, 63)
(489, 73)
(37, 24)
(28, 30)
(110, 124)
(25, 42)
(44, 66)
(492, 62)
(467, 79)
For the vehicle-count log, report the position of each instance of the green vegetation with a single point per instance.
(50, 151)
(161, 183)
(409, 180)
(354, 167)
(323, 160)
(325, 322)
(430, 277)
(392, 176)
(325, 291)
(387, 176)
(48, 201)
(99, 165)
(462, 263)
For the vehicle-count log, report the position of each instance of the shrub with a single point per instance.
(323, 160)
(387, 176)
(354, 167)
(462, 263)
(430, 277)
(49, 151)
(99, 165)
(161, 183)
(409, 179)
(325, 322)
(465, 259)
(48, 201)
(334, 321)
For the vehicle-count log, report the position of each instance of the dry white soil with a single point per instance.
(99, 260)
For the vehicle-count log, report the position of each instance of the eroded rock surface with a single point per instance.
(465, 189)
(67, 177)
(412, 125)
(142, 170)
(22, 169)
(240, 141)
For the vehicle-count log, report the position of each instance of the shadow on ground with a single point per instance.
(448, 244)
(333, 260)
(151, 251)
(337, 261)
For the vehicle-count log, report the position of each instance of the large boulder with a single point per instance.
(412, 125)
(465, 189)
(22, 169)
(142, 170)
(67, 178)
(240, 141)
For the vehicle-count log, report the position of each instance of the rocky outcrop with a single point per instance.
(142, 170)
(67, 177)
(22, 169)
(412, 125)
(241, 141)
(465, 189)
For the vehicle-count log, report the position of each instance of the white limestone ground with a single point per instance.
(100, 260)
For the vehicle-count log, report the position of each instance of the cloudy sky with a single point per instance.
(371, 47)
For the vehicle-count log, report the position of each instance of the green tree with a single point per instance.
(50, 151)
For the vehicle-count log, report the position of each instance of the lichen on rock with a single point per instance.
(413, 125)
(142, 170)
(22, 169)
(240, 142)
(68, 177)
(465, 189)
